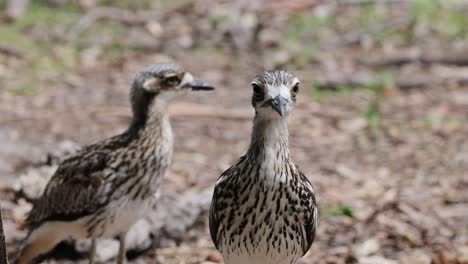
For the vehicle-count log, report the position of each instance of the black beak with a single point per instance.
(198, 85)
(279, 105)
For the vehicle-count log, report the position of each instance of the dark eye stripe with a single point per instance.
(259, 96)
(256, 98)
(258, 93)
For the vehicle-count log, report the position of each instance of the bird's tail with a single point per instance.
(38, 242)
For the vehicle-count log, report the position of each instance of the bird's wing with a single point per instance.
(213, 221)
(217, 202)
(76, 189)
(310, 212)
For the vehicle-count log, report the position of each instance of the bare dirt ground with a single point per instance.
(389, 191)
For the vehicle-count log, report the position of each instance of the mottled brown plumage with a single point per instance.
(264, 209)
(103, 189)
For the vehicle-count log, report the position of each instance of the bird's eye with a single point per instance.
(172, 80)
(295, 89)
(257, 89)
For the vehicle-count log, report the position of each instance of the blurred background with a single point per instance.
(380, 126)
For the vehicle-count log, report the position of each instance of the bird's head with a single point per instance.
(155, 85)
(274, 93)
(166, 81)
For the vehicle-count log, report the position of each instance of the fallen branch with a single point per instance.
(111, 13)
(365, 81)
(292, 6)
(185, 110)
(123, 16)
(10, 51)
(199, 110)
(133, 44)
(398, 60)
(372, 2)
(355, 37)
(403, 82)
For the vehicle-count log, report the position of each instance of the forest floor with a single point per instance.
(380, 126)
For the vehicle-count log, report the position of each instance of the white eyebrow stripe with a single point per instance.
(188, 77)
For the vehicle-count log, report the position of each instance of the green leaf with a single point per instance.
(339, 211)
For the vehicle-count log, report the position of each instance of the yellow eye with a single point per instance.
(171, 80)
(295, 89)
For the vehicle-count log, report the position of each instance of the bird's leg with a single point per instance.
(121, 258)
(92, 251)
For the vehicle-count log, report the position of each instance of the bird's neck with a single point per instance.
(153, 122)
(269, 138)
(158, 116)
(153, 139)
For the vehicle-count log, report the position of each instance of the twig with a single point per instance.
(134, 44)
(403, 82)
(111, 13)
(355, 37)
(291, 6)
(186, 110)
(198, 110)
(10, 51)
(398, 60)
(369, 2)
(124, 16)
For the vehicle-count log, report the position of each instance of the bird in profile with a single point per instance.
(264, 209)
(106, 187)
